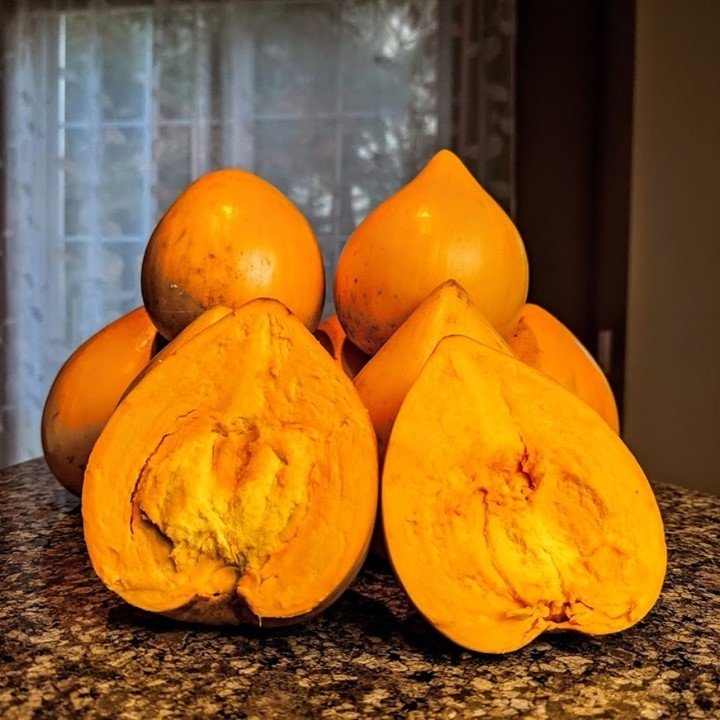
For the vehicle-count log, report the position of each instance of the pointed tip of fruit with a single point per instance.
(447, 156)
(454, 285)
(445, 161)
(447, 166)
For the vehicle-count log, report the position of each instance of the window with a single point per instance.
(114, 108)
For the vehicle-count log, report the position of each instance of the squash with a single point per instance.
(331, 336)
(237, 482)
(228, 238)
(511, 508)
(440, 226)
(384, 382)
(87, 389)
(543, 342)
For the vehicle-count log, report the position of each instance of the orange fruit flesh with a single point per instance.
(240, 471)
(511, 508)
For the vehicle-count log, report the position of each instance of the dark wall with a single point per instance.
(574, 127)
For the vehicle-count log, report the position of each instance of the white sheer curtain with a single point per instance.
(111, 108)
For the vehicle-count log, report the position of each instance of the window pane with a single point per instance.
(173, 154)
(121, 263)
(123, 47)
(175, 62)
(78, 60)
(211, 45)
(217, 155)
(78, 186)
(299, 158)
(121, 185)
(372, 168)
(379, 155)
(76, 264)
(296, 58)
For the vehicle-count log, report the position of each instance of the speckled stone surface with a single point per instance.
(69, 648)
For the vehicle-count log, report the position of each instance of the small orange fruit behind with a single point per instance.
(442, 225)
(331, 336)
(229, 238)
(87, 389)
(540, 340)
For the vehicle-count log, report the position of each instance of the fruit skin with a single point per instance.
(247, 497)
(384, 382)
(231, 237)
(540, 340)
(87, 389)
(440, 226)
(510, 508)
(331, 336)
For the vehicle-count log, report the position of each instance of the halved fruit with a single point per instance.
(511, 508)
(237, 482)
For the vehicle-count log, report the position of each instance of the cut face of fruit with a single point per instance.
(511, 508)
(237, 482)
(208, 318)
(383, 383)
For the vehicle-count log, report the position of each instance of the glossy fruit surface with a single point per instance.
(231, 237)
(441, 226)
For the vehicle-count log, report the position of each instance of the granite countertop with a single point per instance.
(69, 648)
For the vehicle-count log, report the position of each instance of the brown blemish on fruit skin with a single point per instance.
(229, 238)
